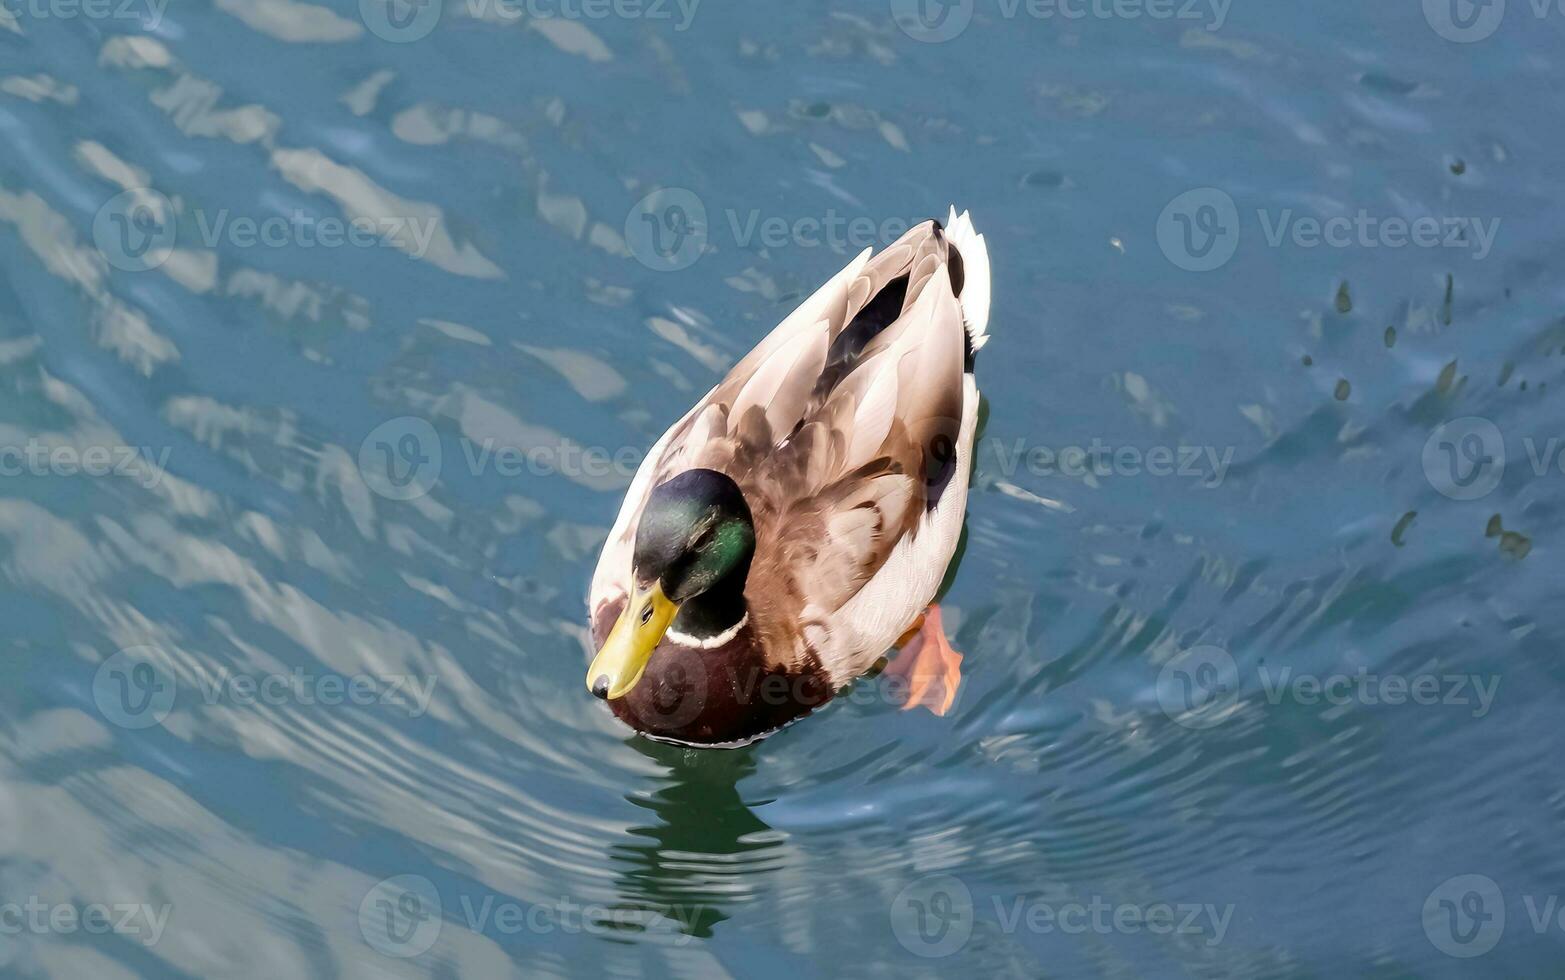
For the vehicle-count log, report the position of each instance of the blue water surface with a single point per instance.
(331, 333)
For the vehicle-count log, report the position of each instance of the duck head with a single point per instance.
(691, 558)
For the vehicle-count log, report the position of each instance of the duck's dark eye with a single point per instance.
(703, 537)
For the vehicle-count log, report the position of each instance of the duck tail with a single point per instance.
(975, 273)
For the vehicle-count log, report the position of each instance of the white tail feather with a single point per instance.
(975, 267)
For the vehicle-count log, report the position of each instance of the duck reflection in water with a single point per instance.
(684, 863)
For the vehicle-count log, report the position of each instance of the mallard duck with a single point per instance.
(797, 523)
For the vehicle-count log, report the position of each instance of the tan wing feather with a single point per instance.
(782, 384)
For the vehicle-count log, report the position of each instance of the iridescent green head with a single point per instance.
(693, 549)
(695, 533)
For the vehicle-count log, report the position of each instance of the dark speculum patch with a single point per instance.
(879, 313)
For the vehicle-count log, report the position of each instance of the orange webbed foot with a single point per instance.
(927, 664)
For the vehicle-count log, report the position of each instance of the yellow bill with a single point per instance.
(640, 628)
